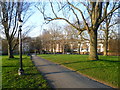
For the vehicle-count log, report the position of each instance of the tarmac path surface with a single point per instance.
(61, 77)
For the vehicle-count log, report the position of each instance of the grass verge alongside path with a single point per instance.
(104, 70)
(11, 79)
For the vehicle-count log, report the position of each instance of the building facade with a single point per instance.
(74, 46)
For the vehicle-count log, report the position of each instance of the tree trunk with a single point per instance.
(63, 49)
(106, 43)
(93, 45)
(10, 51)
(79, 48)
(59, 48)
(54, 47)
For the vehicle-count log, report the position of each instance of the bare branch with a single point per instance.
(87, 7)
(53, 9)
(42, 11)
(16, 43)
(50, 19)
(105, 16)
(14, 28)
(113, 24)
(78, 21)
(87, 27)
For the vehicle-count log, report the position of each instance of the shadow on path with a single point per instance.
(59, 72)
(46, 65)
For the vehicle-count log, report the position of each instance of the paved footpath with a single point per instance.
(61, 77)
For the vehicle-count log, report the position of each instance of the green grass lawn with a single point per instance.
(11, 79)
(104, 70)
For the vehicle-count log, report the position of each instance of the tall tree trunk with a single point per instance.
(106, 43)
(106, 37)
(59, 47)
(93, 45)
(10, 51)
(71, 48)
(63, 49)
(79, 48)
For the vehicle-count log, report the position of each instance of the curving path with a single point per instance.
(61, 77)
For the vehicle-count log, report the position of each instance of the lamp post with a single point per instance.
(20, 71)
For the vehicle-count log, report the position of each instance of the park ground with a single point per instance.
(11, 79)
(104, 70)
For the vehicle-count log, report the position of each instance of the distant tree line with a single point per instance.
(46, 42)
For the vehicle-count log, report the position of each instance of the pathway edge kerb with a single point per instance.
(100, 81)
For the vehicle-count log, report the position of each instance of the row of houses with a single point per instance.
(70, 46)
(74, 46)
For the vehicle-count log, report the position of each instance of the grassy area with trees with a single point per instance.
(104, 70)
(69, 27)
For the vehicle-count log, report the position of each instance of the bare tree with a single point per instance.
(11, 12)
(72, 36)
(96, 14)
(55, 32)
(107, 26)
(51, 38)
